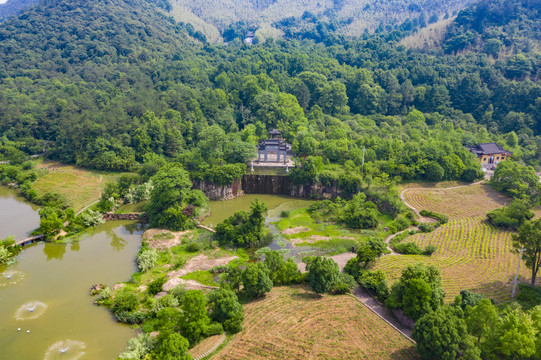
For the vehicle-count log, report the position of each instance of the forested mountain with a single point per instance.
(496, 27)
(57, 37)
(13, 7)
(351, 17)
(109, 84)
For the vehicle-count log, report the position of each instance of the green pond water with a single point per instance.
(46, 311)
(220, 210)
(45, 293)
(17, 218)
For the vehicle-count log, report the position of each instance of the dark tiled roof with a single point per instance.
(488, 149)
(492, 148)
(274, 132)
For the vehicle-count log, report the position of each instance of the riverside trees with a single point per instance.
(172, 201)
(243, 229)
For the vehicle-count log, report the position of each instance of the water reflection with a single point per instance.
(117, 243)
(54, 251)
(75, 246)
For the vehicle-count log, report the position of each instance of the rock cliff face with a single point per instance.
(220, 192)
(282, 185)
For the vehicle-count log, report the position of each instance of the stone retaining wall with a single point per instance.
(129, 216)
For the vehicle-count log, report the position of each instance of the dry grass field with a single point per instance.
(460, 203)
(81, 187)
(429, 37)
(471, 253)
(294, 323)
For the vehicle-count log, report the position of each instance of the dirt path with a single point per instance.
(422, 218)
(390, 237)
(86, 207)
(364, 297)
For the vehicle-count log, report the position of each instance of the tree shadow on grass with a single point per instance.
(497, 290)
(405, 353)
(306, 295)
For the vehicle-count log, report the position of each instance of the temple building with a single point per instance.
(490, 154)
(274, 149)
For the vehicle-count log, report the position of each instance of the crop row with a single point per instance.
(294, 323)
(471, 254)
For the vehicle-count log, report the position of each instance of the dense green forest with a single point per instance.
(109, 84)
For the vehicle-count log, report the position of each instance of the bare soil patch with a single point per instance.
(164, 239)
(295, 230)
(188, 284)
(201, 262)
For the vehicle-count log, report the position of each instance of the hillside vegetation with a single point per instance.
(499, 29)
(351, 17)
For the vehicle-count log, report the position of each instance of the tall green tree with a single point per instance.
(443, 335)
(529, 239)
(171, 186)
(322, 274)
(256, 280)
(195, 319)
(224, 307)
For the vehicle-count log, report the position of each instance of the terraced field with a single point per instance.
(294, 323)
(460, 203)
(471, 253)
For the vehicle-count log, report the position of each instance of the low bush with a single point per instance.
(192, 246)
(376, 282)
(442, 219)
(147, 259)
(409, 248)
(344, 284)
(125, 301)
(214, 328)
(510, 217)
(429, 250)
(285, 213)
(426, 227)
(156, 286)
(131, 318)
(529, 296)
(401, 223)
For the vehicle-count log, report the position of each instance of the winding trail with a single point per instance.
(86, 207)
